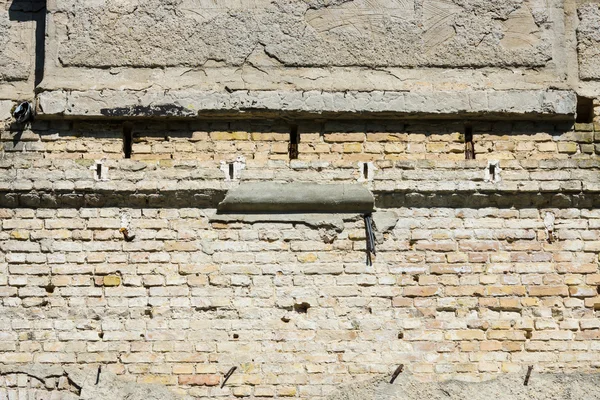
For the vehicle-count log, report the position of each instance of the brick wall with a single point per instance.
(467, 282)
(340, 143)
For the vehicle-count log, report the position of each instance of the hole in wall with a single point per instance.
(598, 289)
(99, 171)
(127, 139)
(50, 288)
(528, 335)
(492, 170)
(236, 336)
(585, 110)
(365, 171)
(231, 170)
(401, 335)
(294, 141)
(469, 145)
(101, 335)
(301, 308)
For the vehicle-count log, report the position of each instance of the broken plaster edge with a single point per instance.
(524, 104)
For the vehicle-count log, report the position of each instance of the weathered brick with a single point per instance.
(200, 380)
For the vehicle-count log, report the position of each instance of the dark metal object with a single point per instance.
(529, 369)
(98, 374)
(397, 372)
(23, 113)
(370, 238)
(469, 145)
(228, 375)
(294, 142)
(126, 235)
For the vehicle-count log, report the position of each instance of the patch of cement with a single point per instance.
(87, 384)
(458, 33)
(588, 41)
(335, 222)
(504, 387)
(195, 103)
(269, 197)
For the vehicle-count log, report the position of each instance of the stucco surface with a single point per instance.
(454, 33)
(588, 35)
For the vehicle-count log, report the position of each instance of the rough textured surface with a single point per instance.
(113, 252)
(509, 387)
(69, 383)
(305, 33)
(296, 197)
(588, 35)
(16, 39)
(469, 281)
(18, 21)
(524, 104)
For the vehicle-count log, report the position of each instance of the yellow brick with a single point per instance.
(112, 280)
(353, 147)
(264, 391)
(286, 391)
(159, 379)
(183, 368)
(436, 147)
(307, 257)
(568, 147)
(271, 137)
(548, 291)
(242, 391)
(229, 135)
(19, 235)
(345, 137)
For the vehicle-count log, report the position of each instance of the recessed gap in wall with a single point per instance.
(365, 171)
(127, 139)
(469, 145)
(301, 308)
(231, 170)
(294, 141)
(99, 171)
(585, 110)
(492, 170)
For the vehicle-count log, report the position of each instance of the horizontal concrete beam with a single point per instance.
(265, 197)
(521, 104)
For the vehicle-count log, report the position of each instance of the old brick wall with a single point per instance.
(147, 114)
(466, 283)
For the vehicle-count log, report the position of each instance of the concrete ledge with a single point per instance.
(522, 104)
(268, 197)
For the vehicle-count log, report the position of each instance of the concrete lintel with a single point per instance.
(120, 104)
(269, 197)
